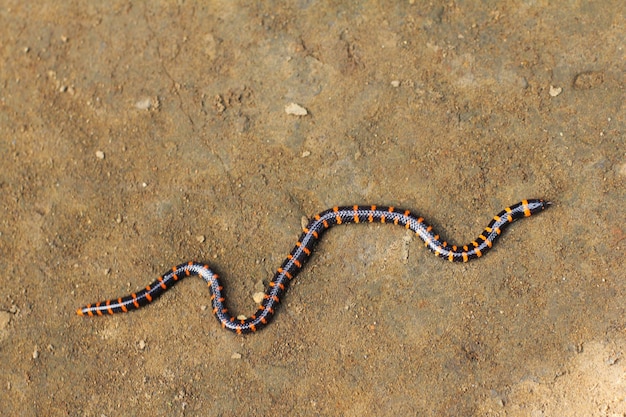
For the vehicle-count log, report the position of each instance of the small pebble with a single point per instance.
(395, 83)
(99, 154)
(148, 103)
(142, 344)
(555, 91)
(235, 356)
(258, 297)
(36, 352)
(200, 238)
(295, 109)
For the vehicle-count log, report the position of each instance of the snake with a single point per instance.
(302, 251)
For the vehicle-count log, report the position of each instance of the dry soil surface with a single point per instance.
(139, 135)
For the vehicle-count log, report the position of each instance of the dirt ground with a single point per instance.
(136, 136)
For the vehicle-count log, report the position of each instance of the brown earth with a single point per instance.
(136, 136)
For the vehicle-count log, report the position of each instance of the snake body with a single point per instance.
(302, 251)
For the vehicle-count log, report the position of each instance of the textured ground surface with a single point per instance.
(135, 137)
